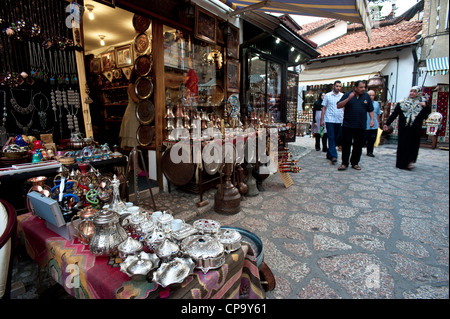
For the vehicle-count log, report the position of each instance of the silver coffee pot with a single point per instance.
(108, 233)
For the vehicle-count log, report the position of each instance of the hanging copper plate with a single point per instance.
(178, 174)
(143, 88)
(141, 43)
(214, 167)
(143, 65)
(145, 134)
(145, 111)
(141, 23)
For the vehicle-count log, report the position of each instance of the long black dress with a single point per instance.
(408, 135)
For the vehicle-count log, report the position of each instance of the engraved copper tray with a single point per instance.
(143, 65)
(141, 23)
(145, 111)
(144, 88)
(145, 134)
(178, 174)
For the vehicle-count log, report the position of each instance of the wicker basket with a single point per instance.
(65, 160)
(15, 155)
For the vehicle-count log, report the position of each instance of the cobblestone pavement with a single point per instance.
(376, 233)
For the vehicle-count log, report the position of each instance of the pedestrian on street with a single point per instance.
(356, 103)
(411, 112)
(332, 118)
(371, 132)
(316, 127)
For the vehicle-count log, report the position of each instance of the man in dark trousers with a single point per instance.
(356, 103)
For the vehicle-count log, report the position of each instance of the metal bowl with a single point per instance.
(230, 239)
(207, 226)
(205, 250)
(254, 241)
(174, 271)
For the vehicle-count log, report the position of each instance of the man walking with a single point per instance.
(332, 117)
(357, 104)
(371, 132)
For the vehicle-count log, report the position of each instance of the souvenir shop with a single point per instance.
(65, 95)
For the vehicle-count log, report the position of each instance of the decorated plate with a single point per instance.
(145, 111)
(143, 65)
(145, 134)
(143, 88)
(141, 43)
(141, 23)
(234, 105)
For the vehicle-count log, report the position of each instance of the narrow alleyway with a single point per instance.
(376, 233)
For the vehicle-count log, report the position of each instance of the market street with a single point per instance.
(376, 233)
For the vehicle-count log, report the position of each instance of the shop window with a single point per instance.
(194, 76)
(264, 94)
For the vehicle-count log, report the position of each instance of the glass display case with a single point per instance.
(194, 77)
(264, 94)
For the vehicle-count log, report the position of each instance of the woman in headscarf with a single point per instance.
(411, 112)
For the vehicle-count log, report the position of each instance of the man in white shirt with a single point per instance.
(332, 117)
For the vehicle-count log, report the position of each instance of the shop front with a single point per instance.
(271, 52)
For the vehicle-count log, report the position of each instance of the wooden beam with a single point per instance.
(159, 96)
(79, 56)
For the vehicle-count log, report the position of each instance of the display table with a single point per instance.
(14, 186)
(86, 276)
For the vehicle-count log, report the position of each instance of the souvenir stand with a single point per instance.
(81, 228)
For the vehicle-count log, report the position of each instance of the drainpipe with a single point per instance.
(416, 63)
(396, 81)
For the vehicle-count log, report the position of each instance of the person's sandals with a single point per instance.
(342, 167)
(356, 167)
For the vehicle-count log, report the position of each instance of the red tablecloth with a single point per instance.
(84, 275)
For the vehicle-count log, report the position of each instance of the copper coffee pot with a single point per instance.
(85, 228)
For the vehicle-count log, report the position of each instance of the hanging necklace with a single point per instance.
(20, 109)
(24, 128)
(42, 110)
(5, 114)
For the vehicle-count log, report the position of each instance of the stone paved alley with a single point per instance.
(376, 233)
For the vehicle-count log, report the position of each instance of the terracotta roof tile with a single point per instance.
(381, 38)
(308, 27)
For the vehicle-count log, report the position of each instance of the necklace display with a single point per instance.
(42, 110)
(20, 109)
(5, 114)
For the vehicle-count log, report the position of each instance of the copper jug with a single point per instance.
(85, 228)
(227, 199)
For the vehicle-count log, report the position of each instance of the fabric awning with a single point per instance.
(343, 73)
(437, 65)
(346, 10)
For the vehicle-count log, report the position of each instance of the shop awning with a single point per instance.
(437, 65)
(343, 73)
(346, 10)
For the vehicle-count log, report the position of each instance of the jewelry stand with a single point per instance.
(133, 157)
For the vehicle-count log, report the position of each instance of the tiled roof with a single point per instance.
(384, 37)
(310, 28)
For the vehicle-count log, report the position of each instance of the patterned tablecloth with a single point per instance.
(86, 276)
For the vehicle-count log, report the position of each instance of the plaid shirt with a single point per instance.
(332, 113)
